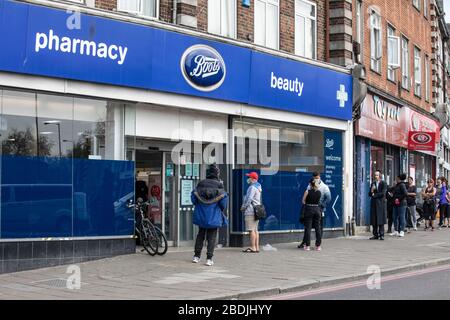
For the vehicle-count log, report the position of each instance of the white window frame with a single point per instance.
(222, 33)
(405, 63)
(425, 8)
(377, 54)
(277, 4)
(359, 27)
(315, 26)
(392, 40)
(139, 12)
(416, 4)
(417, 74)
(427, 78)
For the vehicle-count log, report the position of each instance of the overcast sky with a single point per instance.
(447, 10)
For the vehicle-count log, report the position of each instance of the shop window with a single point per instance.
(305, 29)
(222, 17)
(146, 8)
(295, 154)
(300, 148)
(267, 23)
(51, 173)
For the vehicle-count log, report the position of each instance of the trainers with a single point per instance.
(415, 228)
(394, 234)
(196, 259)
(209, 263)
(307, 248)
(319, 248)
(401, 234)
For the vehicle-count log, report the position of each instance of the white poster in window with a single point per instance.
(188, 169)
(186, 189)
(196, 170)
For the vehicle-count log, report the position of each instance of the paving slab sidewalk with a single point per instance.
(235, 275)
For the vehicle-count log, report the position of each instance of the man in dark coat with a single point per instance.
(377, 194)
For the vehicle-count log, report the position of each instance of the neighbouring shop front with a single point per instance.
(382, 142)
(82, 129)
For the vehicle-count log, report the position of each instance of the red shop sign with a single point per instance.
(422, 141)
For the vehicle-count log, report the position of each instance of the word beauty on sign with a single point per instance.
(424, 141)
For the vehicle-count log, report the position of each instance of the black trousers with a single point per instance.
(390, 218)
(210, 235)
(378, 230)
(313, 217)
(442, 213)
(322, 224)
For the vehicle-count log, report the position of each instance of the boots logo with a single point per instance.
(421, 138)
(329, 144)
(203, 68)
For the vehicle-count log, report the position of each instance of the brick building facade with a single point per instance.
(194, 14)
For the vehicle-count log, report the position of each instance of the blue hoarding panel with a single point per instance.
(38, 40)
(39, 197)
(282, 196)
(101, 191)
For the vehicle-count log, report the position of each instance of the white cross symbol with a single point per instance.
(342, 96)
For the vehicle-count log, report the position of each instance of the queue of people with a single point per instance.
(211, 200)
(397, 205)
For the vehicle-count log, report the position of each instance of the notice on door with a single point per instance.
(186, 189)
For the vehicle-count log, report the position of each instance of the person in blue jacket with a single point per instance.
(210, 201)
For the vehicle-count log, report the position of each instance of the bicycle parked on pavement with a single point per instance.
(151, 237)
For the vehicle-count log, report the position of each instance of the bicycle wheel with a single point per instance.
(149, 237)
(162, 247)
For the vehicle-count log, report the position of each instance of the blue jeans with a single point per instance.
(399, 218)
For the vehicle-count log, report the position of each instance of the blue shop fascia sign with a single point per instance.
(43, 41)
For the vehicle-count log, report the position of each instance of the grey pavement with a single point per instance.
(235, 275)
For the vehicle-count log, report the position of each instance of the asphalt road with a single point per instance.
(427, 284)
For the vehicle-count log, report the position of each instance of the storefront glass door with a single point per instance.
(390, 171)
(189, 177)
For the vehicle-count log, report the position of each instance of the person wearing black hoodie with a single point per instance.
(210, 201)
(400, 204)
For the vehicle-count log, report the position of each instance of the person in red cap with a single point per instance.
(252, 198)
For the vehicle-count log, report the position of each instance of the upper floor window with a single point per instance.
(305, 29)
(417, 72)
(148, 8)
(376, 52)
(425, 8)
(222, 17)
(416, 3)
(393, 45)
(359, 30)
(427, 78)
(405, 63)
(267, 23)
